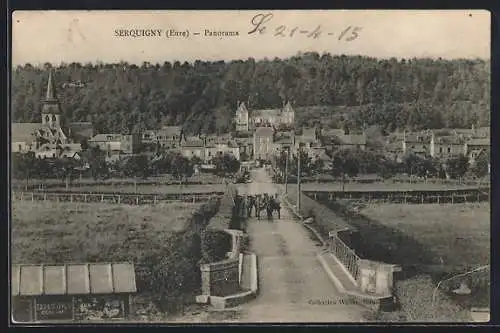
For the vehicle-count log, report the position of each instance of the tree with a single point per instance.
(67, 169)
(226, 164)
(389, 94)
(418, 166)
(137, 166)
(23, 166)
(84, 144)
(481, 165)
(96, 162)
(457, 166)
(181, 167)
(345, 163)
(387, 168)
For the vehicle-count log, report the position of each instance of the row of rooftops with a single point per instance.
(27, 132)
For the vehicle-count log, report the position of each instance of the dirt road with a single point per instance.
(293, 287)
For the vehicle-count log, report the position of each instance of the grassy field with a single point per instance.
(432, 243)
(163, 241)
(49, 232)
(454, 235)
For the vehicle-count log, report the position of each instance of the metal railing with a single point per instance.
(345, 255)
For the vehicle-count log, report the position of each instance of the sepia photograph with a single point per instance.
(250, 166)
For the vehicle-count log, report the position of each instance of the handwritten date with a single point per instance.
(260, 26)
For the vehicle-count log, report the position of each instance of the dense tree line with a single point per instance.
(93, 165)
(353, 162)
(122, 97)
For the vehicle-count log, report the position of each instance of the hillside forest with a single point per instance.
(327, 89)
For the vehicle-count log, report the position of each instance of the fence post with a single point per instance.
(439, 197)
(102, 198)
(71, 198)
(84, 198)
(422, 199)
(22, 196)
(119, 199)
(154, 199)
(137, 200)
(32, 196)
(45, 197)
(315, 198)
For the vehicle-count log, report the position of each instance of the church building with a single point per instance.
(54, 130)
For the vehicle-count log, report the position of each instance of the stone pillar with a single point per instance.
(205, 279)
(235, 242)
(367, 276)
(377, 278)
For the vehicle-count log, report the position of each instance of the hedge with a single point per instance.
(169, 272)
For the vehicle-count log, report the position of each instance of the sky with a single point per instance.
(89, 36)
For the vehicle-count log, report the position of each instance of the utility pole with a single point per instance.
(286, 171)
(298, 178)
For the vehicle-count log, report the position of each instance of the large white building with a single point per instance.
(247, 120)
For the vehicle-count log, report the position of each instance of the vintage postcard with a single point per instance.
(250, 166)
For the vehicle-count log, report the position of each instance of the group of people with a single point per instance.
(260, 202)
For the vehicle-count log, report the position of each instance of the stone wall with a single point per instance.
(220, 278)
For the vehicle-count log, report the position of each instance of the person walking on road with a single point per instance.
(270, 207)
(257, 206)
(277, 204)
(251, 203)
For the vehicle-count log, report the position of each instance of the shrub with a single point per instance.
(415, 297)
(214, 245)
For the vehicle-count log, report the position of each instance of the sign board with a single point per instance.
(53, 308)
(99, 308)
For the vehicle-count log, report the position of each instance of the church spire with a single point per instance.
(51, 109)
(51, 89)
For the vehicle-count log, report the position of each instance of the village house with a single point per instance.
(263, 143)
(206, 148)
(51, 150)
(113, 143)
(194, 146)
(445, 147)
(475, 147)
(245, 146)
(339, 139)
(53, 129)
(417, 144)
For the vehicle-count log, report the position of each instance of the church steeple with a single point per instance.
(51, 89)
(51, 109)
